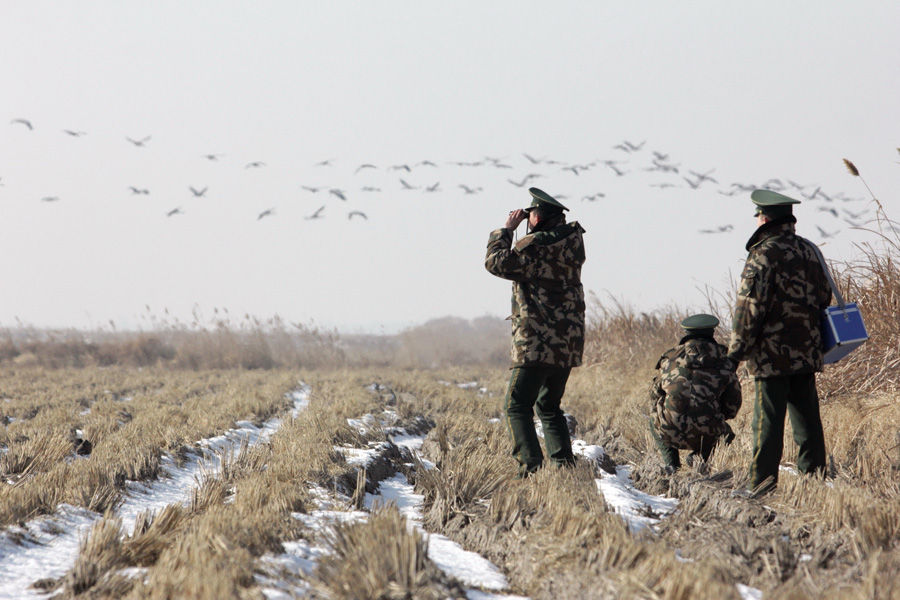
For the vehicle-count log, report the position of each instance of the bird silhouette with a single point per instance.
(139, 143)
(338, 193)
(212, 156)
(365, 166)
(532, 160)
(255, 165)
(266, 213)
(470, 190)
(138, 191)
(24, 122)
(701, 177)
(317, 214)
(812, 195)
(74, 133)
(311, 189)
(434, 188)
(719, 229)
(325, 163)
(49, 198)
(828, 209)
(825, 234)
(525, 180)
(196, 192)
(594, 197)
(426, 163)
(407, 186)
(175, 211)
(854, 215)
(369, 188)
(357, 213)
(401, 168)
(611, 164)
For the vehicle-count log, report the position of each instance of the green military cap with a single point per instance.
(540, 198)
(772, 203)
(696, 323)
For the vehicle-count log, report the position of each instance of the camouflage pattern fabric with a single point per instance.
(782, 293)
(694, 392)
(547, 297)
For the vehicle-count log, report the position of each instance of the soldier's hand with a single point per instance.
(515, 217)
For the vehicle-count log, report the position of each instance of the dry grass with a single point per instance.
(380, 558)
(130, 417)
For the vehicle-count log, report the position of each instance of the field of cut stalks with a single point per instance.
(254, 460)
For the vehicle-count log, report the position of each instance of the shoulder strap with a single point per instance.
(834, 289)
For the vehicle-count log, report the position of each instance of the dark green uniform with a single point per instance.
(776, 330)
(547, 332)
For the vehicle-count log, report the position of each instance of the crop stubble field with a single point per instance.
(141, 400)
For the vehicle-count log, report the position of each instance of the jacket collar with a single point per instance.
(780, 226)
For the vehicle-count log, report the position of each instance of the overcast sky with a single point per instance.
(460, 92)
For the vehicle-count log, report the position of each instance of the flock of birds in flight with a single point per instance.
(676, 177)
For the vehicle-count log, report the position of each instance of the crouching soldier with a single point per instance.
(694, 392)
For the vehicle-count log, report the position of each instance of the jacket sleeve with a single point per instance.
(750, 311)
(504, 261)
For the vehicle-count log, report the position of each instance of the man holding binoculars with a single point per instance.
(547, 324)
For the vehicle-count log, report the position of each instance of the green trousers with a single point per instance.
(538, 389)
(796, 395)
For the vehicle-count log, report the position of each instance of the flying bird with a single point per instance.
(524, 181)
(317, 214)
(828, 209)
(406, 186)
(719, 229)
(138, 191)
(324, 163)
(594, 197)
(175, 211)
(612, 165)
(74, 133)
(255, 165)
(266, 213)
(533, 160)
(701, 177)
(401, 167)
(357, 213)
(49, 198)
(470, 190)
(365, 166)
(426, 163)
(811, 196)
(139, 143)
(212, 156)
(311, 189)
(196, 192)
(338, 193)
(24, 122)
(369, 188)
(825, 234)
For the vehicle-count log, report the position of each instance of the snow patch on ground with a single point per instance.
(50, 543)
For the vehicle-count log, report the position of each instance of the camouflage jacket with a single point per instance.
(783, 290)
(694, 392)
(547, 296)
